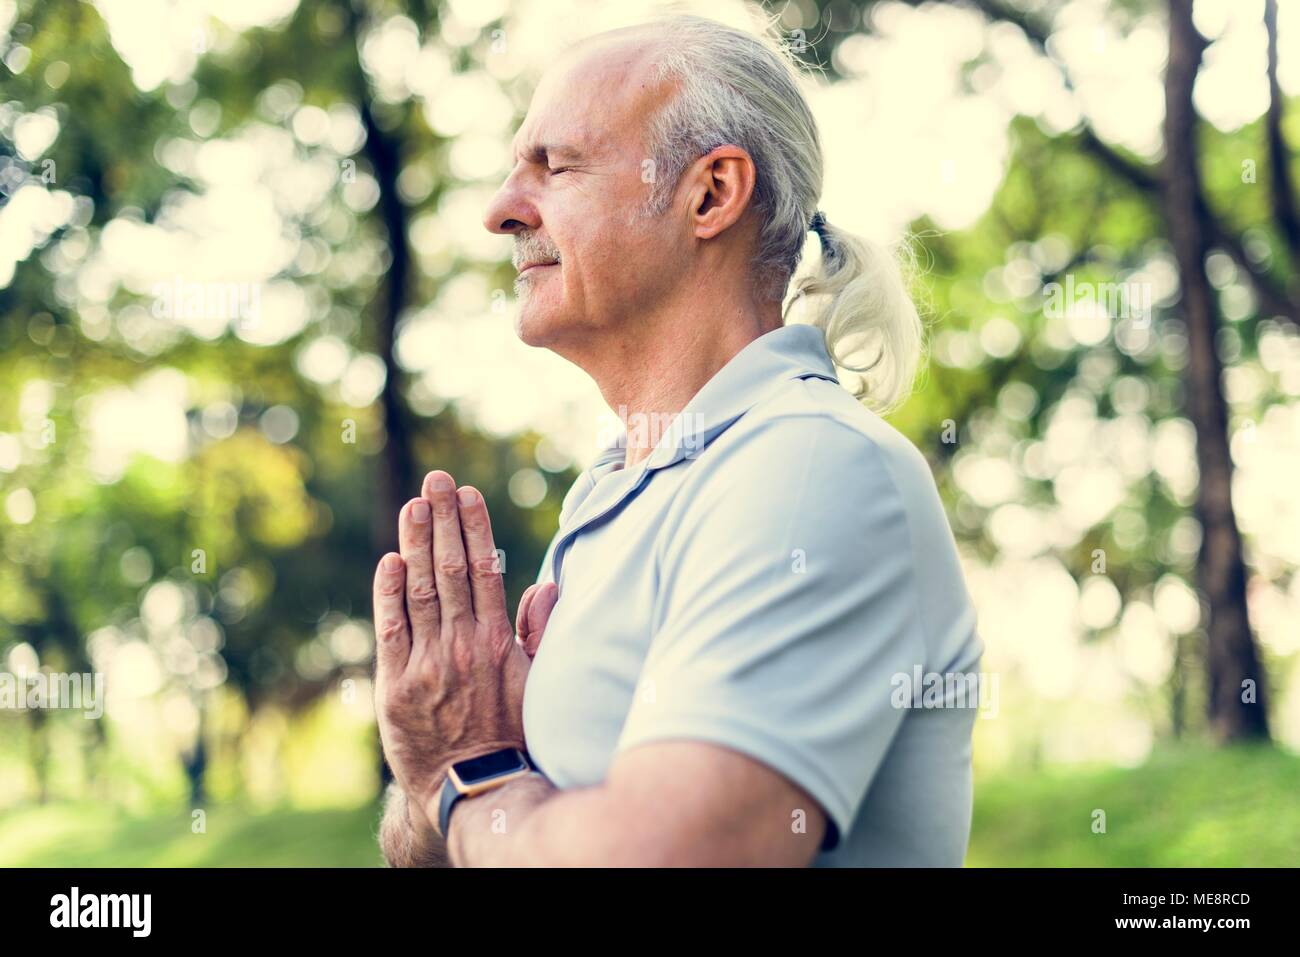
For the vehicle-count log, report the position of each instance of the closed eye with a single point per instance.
(558, 170)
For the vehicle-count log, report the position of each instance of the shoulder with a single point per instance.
(807, 467)
(813, 431)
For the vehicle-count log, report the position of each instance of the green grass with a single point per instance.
(1185, 807)
(92, 835)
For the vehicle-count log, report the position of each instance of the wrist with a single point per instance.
(470, 779)
(405, 837)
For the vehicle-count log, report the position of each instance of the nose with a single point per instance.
(510, 211)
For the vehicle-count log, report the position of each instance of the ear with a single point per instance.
(721, 186)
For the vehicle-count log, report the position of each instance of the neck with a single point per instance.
(652, 365)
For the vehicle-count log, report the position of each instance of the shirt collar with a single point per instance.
(796, 351)
(755, 372)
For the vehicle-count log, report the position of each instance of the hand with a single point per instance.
(449, 670)
(407, 837)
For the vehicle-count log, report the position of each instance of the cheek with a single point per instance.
(643, 261)
(609, 256)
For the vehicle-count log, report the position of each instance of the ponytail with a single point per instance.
(866, 313)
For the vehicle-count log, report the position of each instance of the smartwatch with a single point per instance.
(477, 775)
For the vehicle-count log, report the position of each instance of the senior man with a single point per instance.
(729, 604)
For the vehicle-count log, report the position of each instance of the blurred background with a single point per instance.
(246, 301)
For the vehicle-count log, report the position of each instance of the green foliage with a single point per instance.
(271, 541)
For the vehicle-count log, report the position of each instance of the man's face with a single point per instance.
(589, 262)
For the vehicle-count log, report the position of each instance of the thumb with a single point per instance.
(521, 615)
(536, 614)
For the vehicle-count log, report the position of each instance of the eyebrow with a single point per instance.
(541, 152)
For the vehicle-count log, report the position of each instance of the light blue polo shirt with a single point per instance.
(777, 577)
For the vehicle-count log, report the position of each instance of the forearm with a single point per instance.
(530, 823)
(405, 838)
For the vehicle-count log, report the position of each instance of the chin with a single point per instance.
(537, 324)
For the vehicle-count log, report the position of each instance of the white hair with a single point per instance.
(743, 89)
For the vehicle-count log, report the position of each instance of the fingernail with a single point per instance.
(420, 511)
(441, 482)
(466, 496)
(392, 562)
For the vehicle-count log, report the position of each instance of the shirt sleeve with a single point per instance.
(787, 606)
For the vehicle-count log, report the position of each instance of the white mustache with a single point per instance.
(531, 250)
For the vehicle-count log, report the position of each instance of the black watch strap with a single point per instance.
(831, 839)
(450, 795)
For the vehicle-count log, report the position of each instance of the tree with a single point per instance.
(1236, 705)
(289, 528)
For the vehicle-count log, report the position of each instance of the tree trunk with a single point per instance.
(399, 473)
(384, 151)
(1236, 688)
(40, 751)
(1286, 212)
(398, 480)
(195, 759)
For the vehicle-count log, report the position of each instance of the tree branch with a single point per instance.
(1274, 299)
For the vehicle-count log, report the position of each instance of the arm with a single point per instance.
(406, 837)
(664, 804)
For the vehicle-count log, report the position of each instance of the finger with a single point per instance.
(449, 567)
(414, 530)
(539, 613)
(392, 630)
(521, 616)
(486, 585)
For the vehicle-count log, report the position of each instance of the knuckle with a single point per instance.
(391, 628)
(422, 594)
(452, 566)
(486, 568)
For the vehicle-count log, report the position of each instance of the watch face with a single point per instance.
(488, 766)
